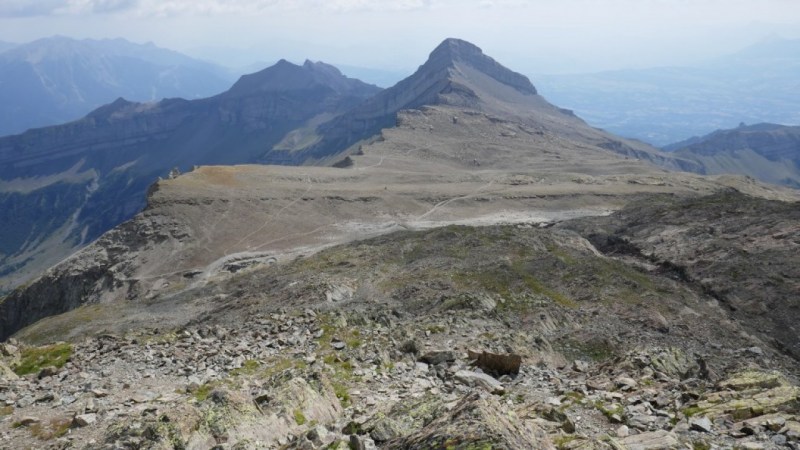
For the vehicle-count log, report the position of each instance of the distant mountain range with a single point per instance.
(764, 151)
(58, 79)
(663, 105)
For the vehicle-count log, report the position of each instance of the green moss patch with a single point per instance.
(34, 359)
(299, 418)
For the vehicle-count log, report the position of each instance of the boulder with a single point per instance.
(404, 417)
(754, 380)
(702, 424)
(438, 357)
(654, 440)
(496, 364)
(83, 420)
(6, 374)
(753, 394)
(481, 380)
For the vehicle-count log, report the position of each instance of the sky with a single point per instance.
(533, 36)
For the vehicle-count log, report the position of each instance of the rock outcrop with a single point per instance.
(738, 249)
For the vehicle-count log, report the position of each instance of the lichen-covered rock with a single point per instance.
(753, 380)
(753, 394)
(655, 440)
(6, 374)
(403, 418)
(477, 421)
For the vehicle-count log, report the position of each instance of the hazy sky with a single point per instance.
(534, 36)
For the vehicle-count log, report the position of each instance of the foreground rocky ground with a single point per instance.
(502, 337)
(316, 380)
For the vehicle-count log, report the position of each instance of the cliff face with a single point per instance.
(94, 274)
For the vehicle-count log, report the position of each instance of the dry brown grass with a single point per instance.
(219, 175)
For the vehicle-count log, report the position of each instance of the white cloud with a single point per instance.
(533, 35)
(161, 8)
(25, 8)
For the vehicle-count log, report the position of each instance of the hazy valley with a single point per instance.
(669, 104)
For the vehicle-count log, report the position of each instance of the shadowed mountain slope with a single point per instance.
(767, 152)
(740, 250)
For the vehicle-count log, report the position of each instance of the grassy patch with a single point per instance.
(61, 327)
(574, 396)
(595, 349)
(354, 339)
(610, 411)
(562, 442)
(6, 411)
(342, 393)
(249, 367)
(35, 359)
(510, 282)
(561, 254)
(691, 411)
(299, 418)
(53, 429)
(202, 393)
(436, 329)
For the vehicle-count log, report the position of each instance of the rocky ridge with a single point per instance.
(524, 336)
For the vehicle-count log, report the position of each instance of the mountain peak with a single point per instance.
(452, 52)
(457, 50)
(287, 76)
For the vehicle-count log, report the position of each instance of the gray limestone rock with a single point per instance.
(654, 440)
(481, 380)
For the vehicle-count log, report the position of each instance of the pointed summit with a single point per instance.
(457, 74)
(453, 52)
(456, 49)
